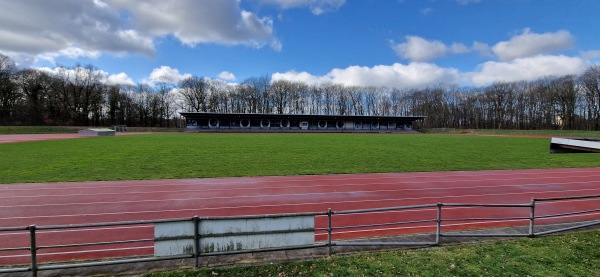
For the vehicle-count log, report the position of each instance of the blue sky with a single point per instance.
(395, 43)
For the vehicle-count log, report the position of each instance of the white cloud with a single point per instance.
(317, 7)
(483, 48)
(120, 79)
(70, 52)
(421, 50)
(303, 77)
(526, 44)
(226, 75)
(194, 22)
(397, 75)
(459, 48)
(66, 28)
(526, 69)
(166, 74)
(590, 55)
(530, 44)
(33, 30)
(103, 76)
(418, 75)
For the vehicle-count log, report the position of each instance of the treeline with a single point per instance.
(82, 96)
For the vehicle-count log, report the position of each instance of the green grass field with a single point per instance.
(556, 133)
(193, 155)
(566, 255)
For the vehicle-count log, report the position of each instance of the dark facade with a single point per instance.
(242, 122)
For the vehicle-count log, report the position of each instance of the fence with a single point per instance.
(196, 237)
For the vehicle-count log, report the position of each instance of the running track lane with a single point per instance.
(95, 202)
(16, 138)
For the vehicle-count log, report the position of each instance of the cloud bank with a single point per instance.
(90, 28)
(526, 56)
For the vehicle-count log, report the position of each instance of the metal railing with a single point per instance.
(399, 220)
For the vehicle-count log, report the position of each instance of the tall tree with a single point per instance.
(9, 95)
(80, 90)
(35, 86)
(589, 82)
(194, 91)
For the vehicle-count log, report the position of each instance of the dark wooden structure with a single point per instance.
(246, 122)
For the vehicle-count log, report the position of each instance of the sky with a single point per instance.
(391, 43)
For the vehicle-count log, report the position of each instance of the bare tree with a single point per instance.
(80, 91)
(9, 95)
(257, 93)
(280, 94)
(35, 87)
(589, 82)
(194, 91)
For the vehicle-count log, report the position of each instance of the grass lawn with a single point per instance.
(192, 155)
(38, 129)
(555, 133)
(575, 254)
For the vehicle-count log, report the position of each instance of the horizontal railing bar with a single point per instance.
(113, 262)
(14, 249)
(567, 198)
(484, 235)
(141, 222)
(386, 209)
(15, 269)
(255, 233)
(121, 223)
(263, 250)
(567, 229)
(487, 218)
(383, 243)
(173, 238)
(263, 216)
(567, 214)
(384, 224)
(12, 229)
(94, 243)
(487, 205)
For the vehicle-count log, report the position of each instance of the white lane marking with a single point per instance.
(300, 187)
(299, 204)
(290, 195)
(308, 179)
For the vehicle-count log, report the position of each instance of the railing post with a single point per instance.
(532, 218)
(33, 245)
(196, 221)
(329, 230)
(438, 230)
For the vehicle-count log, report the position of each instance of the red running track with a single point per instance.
(95, 202)
(16, 138)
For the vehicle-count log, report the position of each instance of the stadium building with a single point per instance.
(248, 122)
